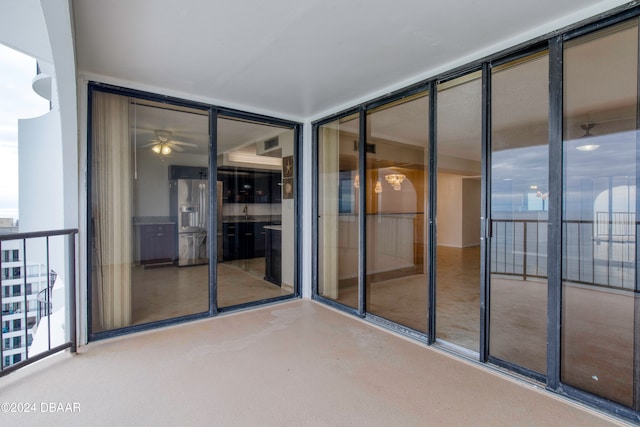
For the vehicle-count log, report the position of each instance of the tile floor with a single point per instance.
(168, 292)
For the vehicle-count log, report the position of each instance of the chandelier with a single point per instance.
(395, 179)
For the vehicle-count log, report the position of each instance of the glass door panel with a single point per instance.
(149, 257)
(397, 200)
(519, 212)
(459, 152)
(338, 192)
(599, 215)
(256, 223)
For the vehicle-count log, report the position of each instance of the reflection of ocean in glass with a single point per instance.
(599, 211)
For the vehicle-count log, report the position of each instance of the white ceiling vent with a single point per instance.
(270, 147)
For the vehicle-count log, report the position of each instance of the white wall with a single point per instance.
(471, 208)
(288, 222)
(458, 217)
(152, 184)
(40, 169)
(449, 216)
(57, 15)
(23, 28)
(48, 145)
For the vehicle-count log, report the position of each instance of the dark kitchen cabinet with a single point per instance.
(250, 185)
(259, 237)
(157, 243)
(238, 240)
(261, 187)
(273, 255)
(237, 185)
(243, 240)
(187, 172)
(231, 241)
(275, 183)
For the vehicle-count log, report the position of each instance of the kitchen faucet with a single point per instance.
(245, 212)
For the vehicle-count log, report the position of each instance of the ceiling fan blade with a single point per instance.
(186, 144)
(174, 146)
(148, 145)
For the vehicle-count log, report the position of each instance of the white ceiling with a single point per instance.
(300, 59)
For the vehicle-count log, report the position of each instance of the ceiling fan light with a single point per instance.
(166, 149)
(587, 147)
(156, 148)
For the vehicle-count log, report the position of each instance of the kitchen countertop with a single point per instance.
(152, 220)
(154, 223)
(258, 218)
(273, 227)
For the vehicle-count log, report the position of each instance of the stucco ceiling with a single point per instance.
(300, 59)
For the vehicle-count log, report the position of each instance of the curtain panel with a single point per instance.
(111, 211)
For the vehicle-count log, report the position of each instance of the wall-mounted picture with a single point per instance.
(287, 177)
(287, 167)
(287, 188)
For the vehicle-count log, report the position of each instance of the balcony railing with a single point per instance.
(597, 253)
(43, 311)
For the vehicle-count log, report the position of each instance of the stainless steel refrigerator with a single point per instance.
(190, 207)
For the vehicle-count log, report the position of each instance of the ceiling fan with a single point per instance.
(163, 144)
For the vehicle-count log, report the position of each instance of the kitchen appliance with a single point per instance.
(189, 200)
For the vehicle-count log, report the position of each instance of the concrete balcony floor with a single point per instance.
(298, 363)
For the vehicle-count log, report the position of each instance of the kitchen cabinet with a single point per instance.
(231, 241)
(187, 172)
(157, 243)
(259, 237)
(275, 182)
(250, 185)
(273, 254)
(243, 239)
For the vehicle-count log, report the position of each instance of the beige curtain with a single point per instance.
(329, 171)
(111, 210)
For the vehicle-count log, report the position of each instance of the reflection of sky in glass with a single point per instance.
(590, 174)
(513, 174)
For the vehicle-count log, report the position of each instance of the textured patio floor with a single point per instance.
(292, 364)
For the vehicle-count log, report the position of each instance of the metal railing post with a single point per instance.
(71, 291)
(1, 315)
(70, 302)
(524, 252)
(25, 308)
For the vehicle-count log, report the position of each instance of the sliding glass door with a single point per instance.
(149, 214)
(188, 214)
(519, 199)
(545, 144)
(459, 191)
(255, 205)
(397, 196)
(600, 306)
(338, 209)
